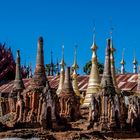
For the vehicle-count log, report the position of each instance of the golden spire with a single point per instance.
(135, 61)
(74, 77)
(94, 78)
(62, 71)
(94, 46)
(122, 63)
(113, 73)
(135, 64)
(75, 65)
(62, 63)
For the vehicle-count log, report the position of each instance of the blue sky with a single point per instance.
(71, 22)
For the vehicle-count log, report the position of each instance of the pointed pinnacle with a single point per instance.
(135, 61)
(62, 63)
(94, 46)
(122, 61)
(75, 65)
(18, 83)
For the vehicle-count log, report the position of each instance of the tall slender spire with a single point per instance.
(94, 78)
(107, 80)
(122, 63)
(62, 71)
(62, 63)
(113, 62)
(18, 83)
(107, 118)
(57, 68)
(74, 75)
(30, 70)
(75, 65)
(135, 64)
(39, 78)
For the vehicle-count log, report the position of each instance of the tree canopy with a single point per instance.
(87, 67)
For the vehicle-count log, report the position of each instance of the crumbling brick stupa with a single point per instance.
(108, 109)
(105, 105)
(35, 105)
(69, 101)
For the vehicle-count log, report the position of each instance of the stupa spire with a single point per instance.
(113, 73)
(62, 72)
(18, 83)
(39, 77)
(30, 70)
(62, 63)
(107, 81)
(75, 65)
(108, 93)
(57, 68)
(122, 63)
(74, 75)
(94, 78)
(135, 64)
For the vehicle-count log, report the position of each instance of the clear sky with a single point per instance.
(71, 22)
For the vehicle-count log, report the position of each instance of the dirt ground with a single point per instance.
(68, 135)
(78, 131)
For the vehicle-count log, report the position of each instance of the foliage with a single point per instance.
(87, 67)
(49, 68)
(7, 63)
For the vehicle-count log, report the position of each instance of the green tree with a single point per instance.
(87, 67)
(49, 67)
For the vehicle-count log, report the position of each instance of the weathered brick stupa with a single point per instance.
(105, 112)
(69, 101)
(18, 86)
(38, 102)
